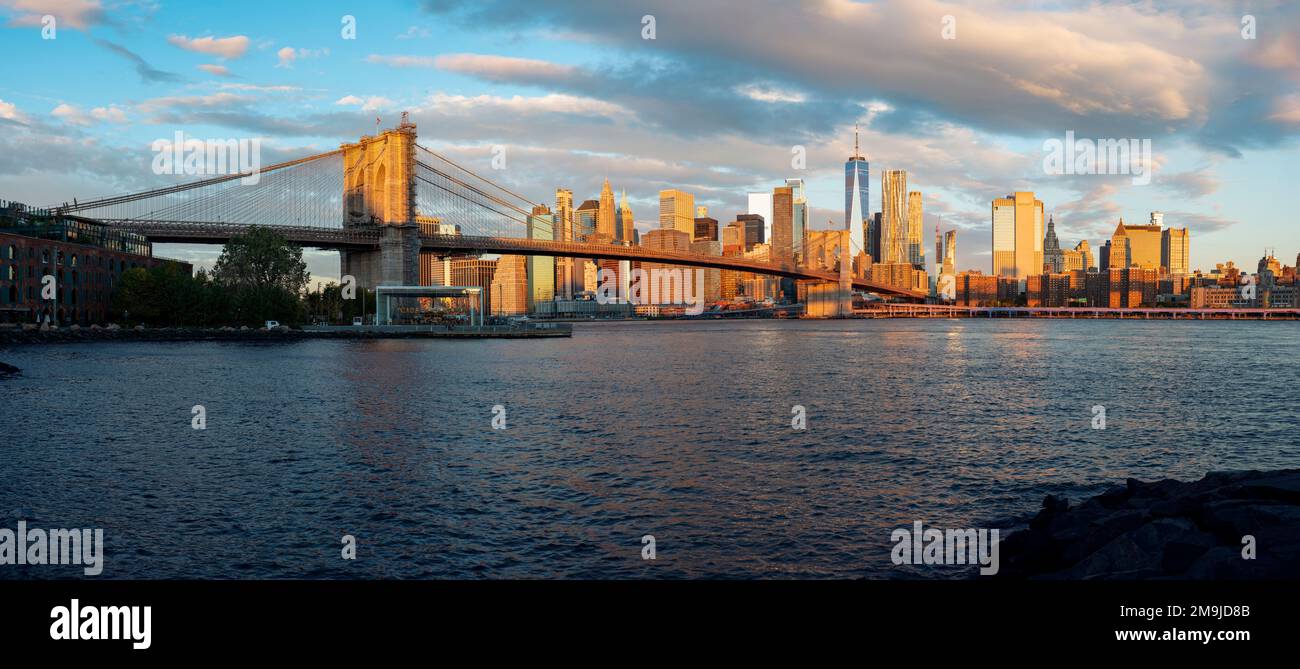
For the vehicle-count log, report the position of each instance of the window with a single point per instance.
(12, 251)
(74, 261)
(45, 256)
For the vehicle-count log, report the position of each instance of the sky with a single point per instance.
(963, 96)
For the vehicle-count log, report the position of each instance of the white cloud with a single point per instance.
(76, 14)
(414, 32)
(192, 101)
(219, 70)
(223, 47)
(289, 55)
(9, 112)
(76, 116)
(503, 68)
(401, 61)
(373, 103)
(764, 93)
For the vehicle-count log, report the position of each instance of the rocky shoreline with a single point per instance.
(1166, 530)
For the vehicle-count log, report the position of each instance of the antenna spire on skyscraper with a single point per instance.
(856, 151)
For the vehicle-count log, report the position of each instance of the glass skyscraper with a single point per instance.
(856, 180)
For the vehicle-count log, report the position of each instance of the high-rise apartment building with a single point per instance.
(893, 217)
(949, 253)
(1017, 236)
(677, 211)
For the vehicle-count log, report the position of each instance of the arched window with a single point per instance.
(12, 251)
(45, 256)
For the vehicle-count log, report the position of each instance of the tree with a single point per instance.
(265, 276)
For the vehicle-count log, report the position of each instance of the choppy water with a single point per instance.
(678, 430)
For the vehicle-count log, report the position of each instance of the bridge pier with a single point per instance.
(395, 263)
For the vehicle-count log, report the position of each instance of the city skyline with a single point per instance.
(570, 109)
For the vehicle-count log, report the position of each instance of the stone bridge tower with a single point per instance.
(379, 190)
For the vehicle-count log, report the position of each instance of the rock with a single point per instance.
(114, 326)
(95, 327)
(243, 328)
(28, 327)
(8, 370)
(1166, 529)
(139, 328)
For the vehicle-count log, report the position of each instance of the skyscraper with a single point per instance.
(585, 222)
(1017, 236)
(625, 227)
(540, 269)
(856, 190)
(1053, 257)
(564, 267)
(606, 216)
(706, 228)
(677, 211)
(893, 217)
(760, 204)
(950, 253)
(754, 229)
(1135, 246)
(915, 248)
(1174, 248)
(800, 225)
(783, 223)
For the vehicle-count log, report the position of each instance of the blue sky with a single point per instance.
(712, 105)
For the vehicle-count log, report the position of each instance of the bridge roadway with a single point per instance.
(175, 232)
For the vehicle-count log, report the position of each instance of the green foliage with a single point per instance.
(258, 277)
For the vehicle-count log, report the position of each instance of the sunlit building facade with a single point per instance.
(1017, 236)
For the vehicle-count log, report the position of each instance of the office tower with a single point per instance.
(1135, 246)
(564, 232)
(871, 228)
(1017, 236)
(1053, 258)
(625, 226)
(754, 229)
(585, 219)
(783, 223)
(893, 221)
(1174, 251)
(915, 250)
(760, 204)
(950, 253)
(856, 189)
(1103, 256)
(706, 228)
(475, 272)
(509, 287)
(800, 225)
(1086, 251)
(677, 211)
(605, 215)
(712, 277)
(540, 269)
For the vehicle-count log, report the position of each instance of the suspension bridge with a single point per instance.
(368, 201)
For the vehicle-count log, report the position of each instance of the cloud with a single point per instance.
(504, 69)
(414, 32)
(401, 61)
(146, 71)
(218, 70)
(190, 102)
(289, 55)
(9, 112)
(76, 14)
(76, 116)
(374, 103)
(223, 47)
(770, 94)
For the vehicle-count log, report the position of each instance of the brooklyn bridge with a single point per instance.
(366, 200)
